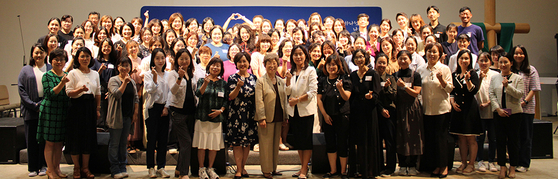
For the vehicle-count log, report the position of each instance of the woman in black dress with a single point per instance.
(465, 116)
(364, 122)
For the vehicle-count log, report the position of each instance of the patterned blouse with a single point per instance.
(216, 95)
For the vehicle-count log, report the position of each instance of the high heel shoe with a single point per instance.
(77, 173)
(52, 175)
(86, 173)
(505, 173)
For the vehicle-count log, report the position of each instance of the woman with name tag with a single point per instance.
(386, 112)
(506, 91)
(104, 65)
(410, 132)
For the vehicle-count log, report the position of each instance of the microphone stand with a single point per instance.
(22, 42)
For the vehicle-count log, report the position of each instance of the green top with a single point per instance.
(215, 96)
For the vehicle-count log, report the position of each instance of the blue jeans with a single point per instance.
(117, 147)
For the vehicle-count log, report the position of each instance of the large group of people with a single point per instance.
(417, 91)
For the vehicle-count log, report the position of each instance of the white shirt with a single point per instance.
(39, 72)
(452, 64)
(417, 61)
(257, 65)
(78, 79)
(483, 94)
(307, 83)
(154, 92)
(435, 97)
(177, 92)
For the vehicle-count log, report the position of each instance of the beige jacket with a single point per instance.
(265, 98)
(514, 92)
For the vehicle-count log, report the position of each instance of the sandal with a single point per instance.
(302, 176)
(330, 175)
(267, 175)
(460, 168)
(77, 173)
(283, 147)
(469, 170)
(86, 173)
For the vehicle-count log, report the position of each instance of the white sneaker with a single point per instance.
(481, 167)
(412, 171)
(521, 169)
(43, 171)
(32, 174)
(163, 173)
(118, 176)
(151, 173)
(212, 174)
(202, 173)
(492, 167)
(256, 148)
(173, 151)
(402, 171)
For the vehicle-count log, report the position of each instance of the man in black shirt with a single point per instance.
(439, 29)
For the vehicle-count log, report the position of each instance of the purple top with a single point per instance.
(475, 33)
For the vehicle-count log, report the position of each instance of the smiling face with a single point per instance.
(464, 61)
(433, 14)
(215, 69)
(411, 45)
(170, 38)
(84, 59)
(381, 64)
(242, 64)
(137, 26)
(177, 24)
(58, 63)
(425, 33)
(416, 24)
(359, 59)
(79, 33)
(386, 47)
(146, 36)
(233, 51)
(193, 27)
(518, 55)
(39, 56)
(398, 37)
(332, 68)
(316, 19)
(133, 49)
(327, 50)
(257, 22)
(159, 60)
(265, 27)
(290, 27)
(179, 45)
(127, 32)
(76, 45)
(385, 27)
(52, 43)
(484, 62)
(279, 26)
(328, 24)
(184, 61)
(216, 35)
(53, 27)
(67, 24)
(207, 26)
(363, 22)
(192, 41)
(344, 40)
(106, 48)
(465, 16)
(360, 44)
(505, 64)
(402, 21)
(270, 66)
(299, 57)
(287, 49)
(275, 37)
(374, 33)
(205, 57)
(107, 23)
(244, 35)
(118, 23)
(102, 35)
(297, 37)
(124, 68)
(452, 33)
(155, 45)
(316, 53)
(156, 28)
(88, 28)
(462, 44)
(264, 46)
(404, 61)
(433, 55)
(430, 39)
(337, 27)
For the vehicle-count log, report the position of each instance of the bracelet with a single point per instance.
(525, 101)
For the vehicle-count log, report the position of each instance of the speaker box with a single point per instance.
(542, 140)
(98, 162)
(12, 139)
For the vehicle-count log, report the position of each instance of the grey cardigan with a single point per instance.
(28, 93)
(514, 92)
(114, 112)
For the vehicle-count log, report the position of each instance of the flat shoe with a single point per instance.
(276, 173)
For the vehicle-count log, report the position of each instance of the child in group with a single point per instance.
(450, 47)
(463, 41)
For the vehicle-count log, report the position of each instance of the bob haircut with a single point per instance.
(205, 49)
(152, 22)
(190, 69)
(345, 33)
(366, 56)
(86, 51)
(207, 20)
(231, 46)
(306, 58)
(220, 29)
(461, 52)
(464, 37)
(37, 45)
(156, 39)
(123, 60)
(281, 46)
(270, 57)
(388, 21)
(131, 27)
(296, 29)
(58, 52)
(113, 55)
(499, 50)
(524, 66)
(451, 26)
(262, 39)
(153, 54)
(334, 59)
(239, 56)
(215, 60)
(435, 45)
(330, 44)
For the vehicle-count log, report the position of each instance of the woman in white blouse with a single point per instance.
(84, 90)
(155, 113)
(302, 87)
(436, 88)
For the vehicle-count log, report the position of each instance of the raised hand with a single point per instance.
(400, 83)
(127, 79)
(146, 14)
(467, 75)
(181, 72)
(240, 83)
(368, 95)
(482, 75)
(388, 83)
(103, 67)
(65, 79)
(505, 82)
(339, 84)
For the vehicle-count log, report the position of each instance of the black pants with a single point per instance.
(387, 134)
(487, 127)
(35, 151)
(407, 161)
(337, 135)
(526, 139)
(183, 127)
(157, 135)
(507, 136)
(436, 137)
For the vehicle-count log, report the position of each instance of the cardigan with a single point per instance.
(114, 110)
(514, 92)
(28, 93)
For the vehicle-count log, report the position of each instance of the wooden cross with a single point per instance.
(492, 27)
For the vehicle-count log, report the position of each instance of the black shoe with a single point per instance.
(386, 173)
(344, 176)
(237, 177)
(245, 175)
(443, 176)
(329, 175)
(275, 173)
(434, 175)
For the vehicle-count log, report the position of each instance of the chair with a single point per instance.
(5, 102)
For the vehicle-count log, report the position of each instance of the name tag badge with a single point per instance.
(437, 35)
(368, 78)
(110, 66)
(382, 84)
(408, 85)
(221, 94)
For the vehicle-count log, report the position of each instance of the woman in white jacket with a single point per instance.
(302, 87)
(155, 112)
